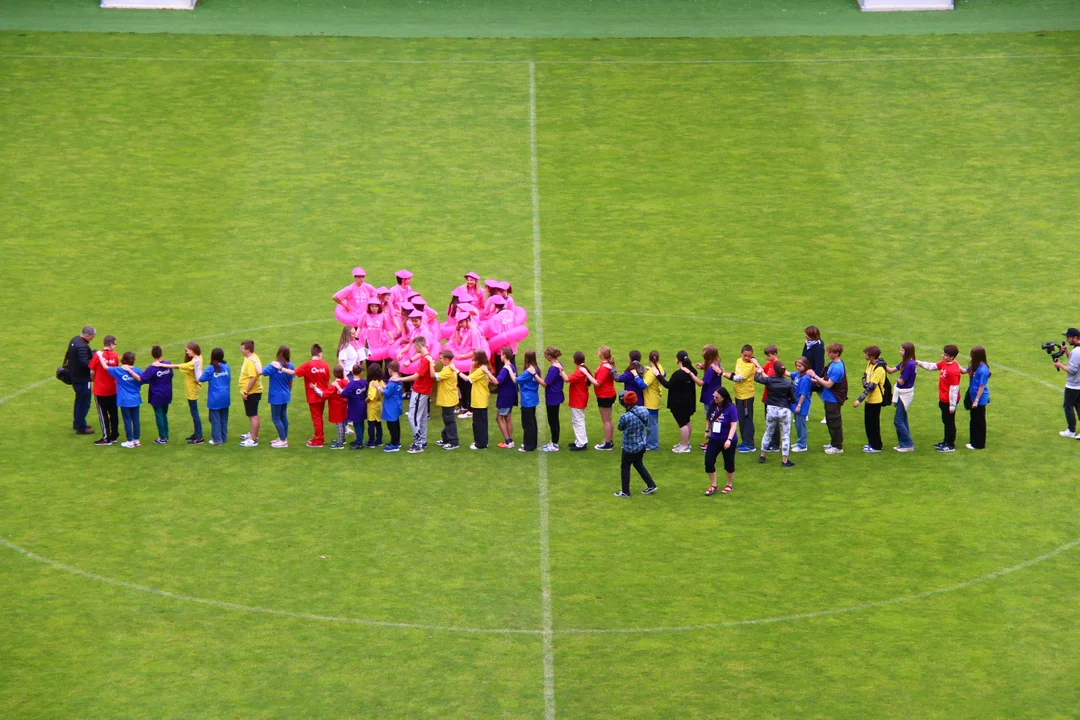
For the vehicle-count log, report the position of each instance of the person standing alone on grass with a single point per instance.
(104, 387)
(251, 390)
(77, 361)
(833, 395)
(159, 394)
(1072, 382)
(634, 425)
(948, 393)
(873, 382)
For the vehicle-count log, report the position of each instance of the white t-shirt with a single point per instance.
(1072, 379)
(347, 358)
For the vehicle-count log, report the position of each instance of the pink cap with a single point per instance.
(416, 314)
(412, 295)
(359, 272)
(373, 301)
(418, 299)
(460, 295)
(502, 285)
(382, 290)
(403, 274)
(491, 282)
(467, 307)
(407, 306)
(472, 275)
(462, 315)
(498, 300)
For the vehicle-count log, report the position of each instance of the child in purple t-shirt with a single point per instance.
(903, 394)
(355, 394)
(159, 380)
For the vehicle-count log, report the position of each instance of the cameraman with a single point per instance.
(1072, 380)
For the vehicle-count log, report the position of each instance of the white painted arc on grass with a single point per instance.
(451, 61)
(550, 632)
(546, 611)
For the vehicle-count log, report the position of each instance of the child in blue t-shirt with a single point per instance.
(800, 408)
(355, 393)
(391, 409)
(280, 393)
(129, 397)
(217, 397)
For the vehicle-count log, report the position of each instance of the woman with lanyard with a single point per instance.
(723, 424)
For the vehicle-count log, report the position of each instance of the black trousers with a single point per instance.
(746, 420)
(374, 432)
(394, 426)
(553, 422)
(109, 417)
(480, 427)
(1072, 408)
(948, 419)
(835, 422)
(872, 423)
(977, 427)
(716, 449)
(528, 428)
(465, 391)
(637, 460)
(449, 431)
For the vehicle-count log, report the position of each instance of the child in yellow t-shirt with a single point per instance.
(374, 405)
(446, 397)
(743, 377)
(481, 379)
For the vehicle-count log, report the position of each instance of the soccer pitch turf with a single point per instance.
(170, 188)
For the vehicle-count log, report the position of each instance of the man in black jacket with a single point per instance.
(77, 361)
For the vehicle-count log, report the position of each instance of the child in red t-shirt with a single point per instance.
(339, 405)
(316, 374)
(604, 383)
(949, 373)
(104, 388)
(579, 400)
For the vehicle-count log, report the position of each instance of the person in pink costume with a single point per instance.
(401, 291)
(374, 332)
(431, 316)
(352, 298)
(489, 287)
(471, 289)
(383, 294)
(404, 351)
(465, 341)
(503, 330)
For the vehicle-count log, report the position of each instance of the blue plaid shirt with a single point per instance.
(634, 429)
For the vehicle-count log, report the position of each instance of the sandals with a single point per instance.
(727, 489)
(711, 490)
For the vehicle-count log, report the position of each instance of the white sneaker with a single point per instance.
(1068, 434)
(128, 444)
(969, 446)
(245, 436)
(797, 448)
(823, 422)
(833, 451)
(904, 449)
(826, 447)
(248, 442)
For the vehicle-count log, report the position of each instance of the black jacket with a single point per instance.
(77, 359)
(682, 392)
(781, 390)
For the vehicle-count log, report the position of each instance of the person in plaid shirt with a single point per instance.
(634, 425)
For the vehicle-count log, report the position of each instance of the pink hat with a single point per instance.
(472, 275)
(467, 307)
(416, 314)
(460, 294)
(498, 300)
(359, 272)
(491, 282)
(413, 294)
(407, 306)
(418, 299)
(382, 290)
(501, 285)
(373, 301)
(462, 315)
(403, 274)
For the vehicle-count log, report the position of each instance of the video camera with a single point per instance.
(1054, 350)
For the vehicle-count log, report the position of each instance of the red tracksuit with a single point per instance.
(316, 373)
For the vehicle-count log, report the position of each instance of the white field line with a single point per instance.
(787, 326)
(255, 609)
(547, 623)
(451, 61)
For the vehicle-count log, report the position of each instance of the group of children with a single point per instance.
(362, 399)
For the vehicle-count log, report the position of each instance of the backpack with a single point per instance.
(886, 389)
(840, 387)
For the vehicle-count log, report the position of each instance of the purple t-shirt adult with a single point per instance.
(907, 376)
(506, 396)
(712, 380)
(728, 418)
(159, 380)
(553, 393)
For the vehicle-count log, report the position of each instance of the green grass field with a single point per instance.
(168, 188)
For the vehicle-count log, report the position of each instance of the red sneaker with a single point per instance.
(312, 443)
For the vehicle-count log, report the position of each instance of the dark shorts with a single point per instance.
(681, 419)
(605, 402)
(251, 405)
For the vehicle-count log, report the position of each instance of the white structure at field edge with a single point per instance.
(149, 4)
(896, 5)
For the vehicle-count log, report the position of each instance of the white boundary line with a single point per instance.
(547, 622)
(450, 61)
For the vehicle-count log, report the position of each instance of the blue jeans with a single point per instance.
(82, 405)
(279, 414)
(652, 437)
(131, 422)
(800, 430)
(219, 425)
(193, 406)
(903, 430)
